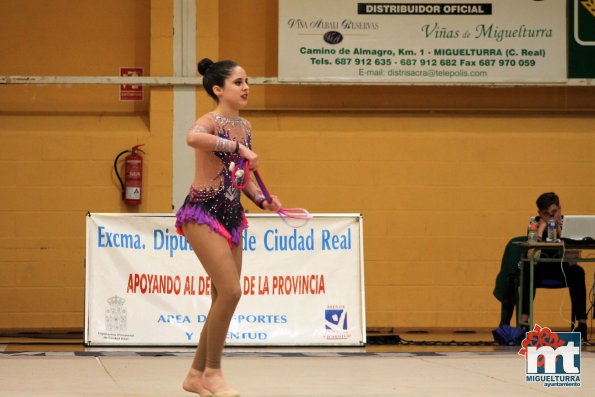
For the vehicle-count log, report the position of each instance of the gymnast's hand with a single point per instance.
(274, 205)
(250, 156)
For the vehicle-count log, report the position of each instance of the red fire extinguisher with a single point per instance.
(133, 175)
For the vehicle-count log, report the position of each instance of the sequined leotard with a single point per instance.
(218, 205)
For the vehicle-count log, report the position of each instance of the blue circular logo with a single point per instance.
(333, 37)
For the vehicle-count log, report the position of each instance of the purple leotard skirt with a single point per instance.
(219, 208)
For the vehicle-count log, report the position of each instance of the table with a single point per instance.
(531, 250)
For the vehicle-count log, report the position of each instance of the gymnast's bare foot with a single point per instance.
(213, 381)
(193, 382)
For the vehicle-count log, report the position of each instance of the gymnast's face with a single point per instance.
(234, 92)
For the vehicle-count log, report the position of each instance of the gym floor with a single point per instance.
(423, 363)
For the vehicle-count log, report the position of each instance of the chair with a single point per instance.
(509, 289)
(538, 282)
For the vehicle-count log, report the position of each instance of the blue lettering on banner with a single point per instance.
(118, 240)
(336, 241)
(252, 318)
(173, 319)
(248, 241)
(278, 240)
(247, 335)
(261, 318)
(163, 240)
(275, 241)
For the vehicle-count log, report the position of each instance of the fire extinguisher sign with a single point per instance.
(130, 92)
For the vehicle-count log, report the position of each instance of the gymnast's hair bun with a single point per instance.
(204, 65)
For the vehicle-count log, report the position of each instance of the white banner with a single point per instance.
(456, 41)
(145, 285)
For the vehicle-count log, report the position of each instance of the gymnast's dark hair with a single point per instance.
(215, 73)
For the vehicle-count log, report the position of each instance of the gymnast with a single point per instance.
(212, 217)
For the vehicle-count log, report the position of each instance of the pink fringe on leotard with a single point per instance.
(196, 214)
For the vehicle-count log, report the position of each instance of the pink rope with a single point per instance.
(293, 213)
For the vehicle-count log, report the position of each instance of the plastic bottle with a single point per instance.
(551, 230)
(532, 232)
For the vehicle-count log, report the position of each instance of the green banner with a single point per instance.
(581, 39)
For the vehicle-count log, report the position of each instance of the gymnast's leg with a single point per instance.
(193, 381)
(213, 376)
(223, 266)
